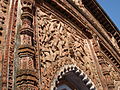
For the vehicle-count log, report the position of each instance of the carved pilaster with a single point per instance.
(104, 65)
(27, 74)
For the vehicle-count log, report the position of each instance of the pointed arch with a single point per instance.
(79, 73)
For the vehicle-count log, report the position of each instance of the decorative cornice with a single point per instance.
(113, 59)
(70, 15)
(103, 18)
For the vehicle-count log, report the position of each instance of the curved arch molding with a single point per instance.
(67, 68)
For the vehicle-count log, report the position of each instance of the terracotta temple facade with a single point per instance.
(58, 45)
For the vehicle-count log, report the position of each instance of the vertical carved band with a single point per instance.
(27, 73)
(9, 14)
(104, 66)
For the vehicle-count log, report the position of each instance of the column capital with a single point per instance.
(27, 5)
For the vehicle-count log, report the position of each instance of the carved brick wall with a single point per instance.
(39, 43)
(61, 45)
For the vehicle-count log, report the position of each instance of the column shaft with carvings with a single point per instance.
(27, 76)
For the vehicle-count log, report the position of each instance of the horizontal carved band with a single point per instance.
(111, 85)
(27, 77)
(28, 87)
(26, 50)
(27, 82)
(27, 15)
(27, 72)
(28, 31)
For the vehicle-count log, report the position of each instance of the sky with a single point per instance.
(112, 8)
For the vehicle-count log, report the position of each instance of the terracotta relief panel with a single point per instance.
(8, 26)
(61, 45)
